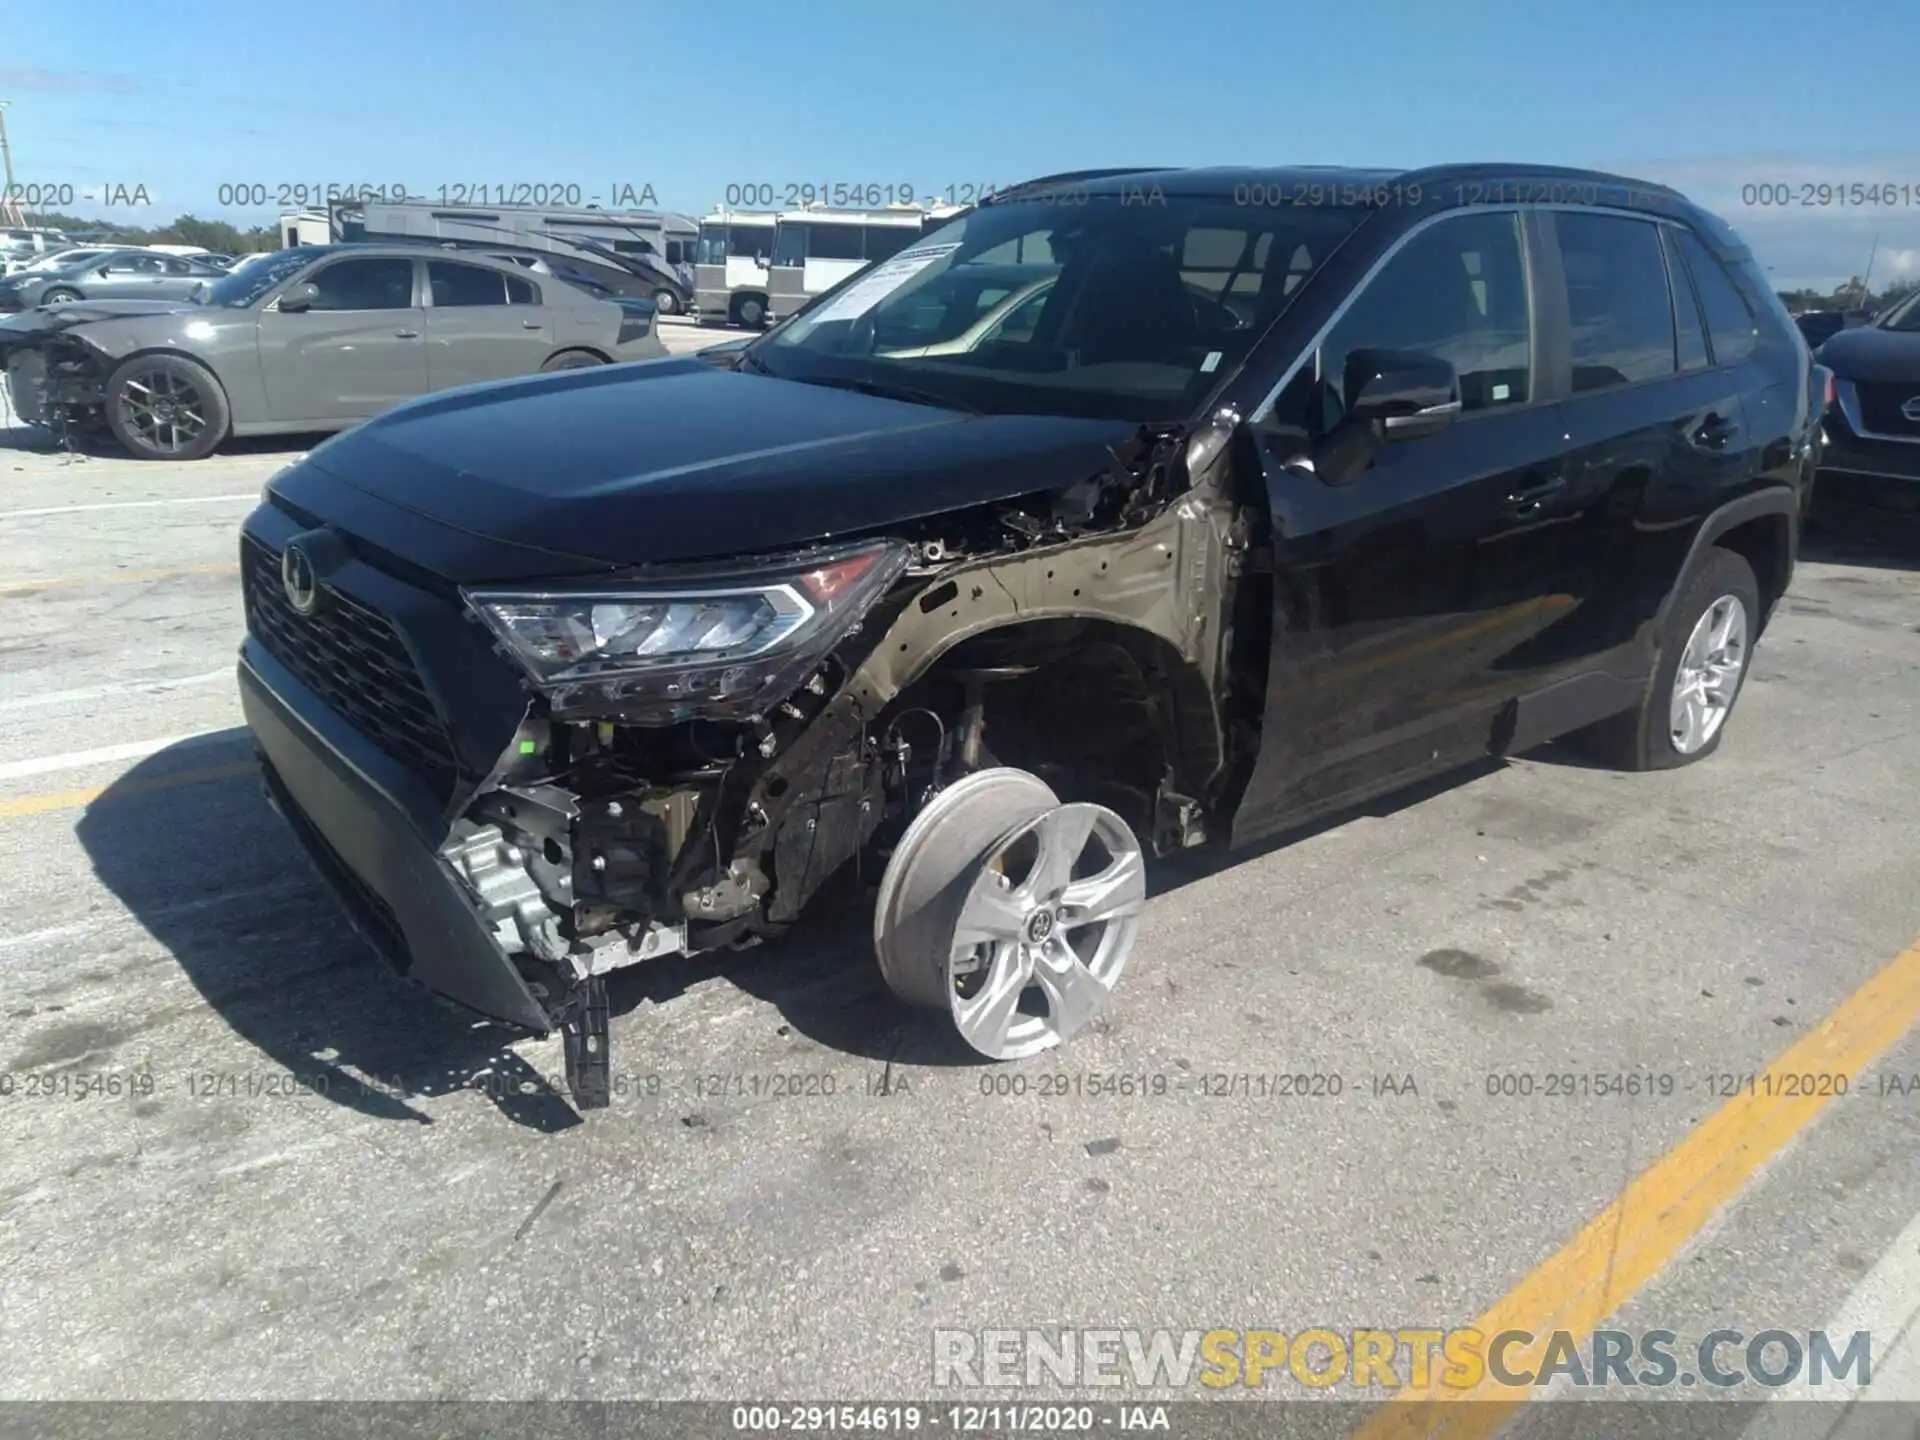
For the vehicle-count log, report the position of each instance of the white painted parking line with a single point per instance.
(105, 755)
(252, 495)
(125, 687)
(1886, 1304)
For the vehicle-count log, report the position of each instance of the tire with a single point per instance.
(666, 302)
(166, 407)
(1644, 738)
(750, 312)
(59, 295)
(571, 360)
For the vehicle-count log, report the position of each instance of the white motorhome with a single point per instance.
(305, 227)
(731, 265)
(816, 248)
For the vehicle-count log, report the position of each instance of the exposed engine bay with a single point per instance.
(1085, 637)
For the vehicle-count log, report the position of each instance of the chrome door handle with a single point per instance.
(531, 325)
(408, 334)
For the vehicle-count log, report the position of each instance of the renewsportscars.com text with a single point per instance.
(1455, 1359)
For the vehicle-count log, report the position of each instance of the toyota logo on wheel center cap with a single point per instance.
(298, 580)
(1039, 927)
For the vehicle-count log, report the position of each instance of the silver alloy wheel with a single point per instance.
(1062, 934)
(163, 409)
(1708, 676)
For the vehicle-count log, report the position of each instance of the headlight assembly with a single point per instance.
(731, 646)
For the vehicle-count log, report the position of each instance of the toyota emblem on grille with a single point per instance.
(298, 580)
(1912, 409)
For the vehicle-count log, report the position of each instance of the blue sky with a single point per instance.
(185, 96)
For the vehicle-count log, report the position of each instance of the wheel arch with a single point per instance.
(1763, 528)
(595, 351)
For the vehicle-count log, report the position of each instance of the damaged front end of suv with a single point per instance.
(701, 750)
(874, 601)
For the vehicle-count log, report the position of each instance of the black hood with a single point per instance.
(1870, 353)
(674, 460)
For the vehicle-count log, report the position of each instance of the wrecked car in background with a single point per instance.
(1295, 488)
(310, 339)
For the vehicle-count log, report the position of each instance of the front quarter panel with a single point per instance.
(226, 344)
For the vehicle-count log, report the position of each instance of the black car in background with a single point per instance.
(1820, 326)
(1871, 457)
(1295, 487)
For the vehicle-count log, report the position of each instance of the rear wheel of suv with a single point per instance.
(1705, 647)
(166, 407)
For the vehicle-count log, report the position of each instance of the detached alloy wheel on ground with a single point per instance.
(1013, 913)
(166, 407)
(1705, 647)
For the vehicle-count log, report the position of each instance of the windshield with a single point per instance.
(1905, 315)
(239, 288)
(1099, 307)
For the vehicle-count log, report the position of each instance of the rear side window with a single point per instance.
(1729, 321)
(521, 292)
(1617, 304)
(1690, 338)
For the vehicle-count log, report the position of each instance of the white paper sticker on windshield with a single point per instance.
(885, 278)
(1500, 392)
(1211, 363)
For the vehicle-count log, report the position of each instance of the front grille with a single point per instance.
(355, 661)
(1880, 402)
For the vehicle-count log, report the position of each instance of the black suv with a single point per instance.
(1872, 452)
(1129, 512)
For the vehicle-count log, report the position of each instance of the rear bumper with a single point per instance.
(347, 803)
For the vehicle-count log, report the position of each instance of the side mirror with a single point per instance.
(1410, 393)
(299, 298)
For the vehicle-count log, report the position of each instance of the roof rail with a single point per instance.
(1069, 176)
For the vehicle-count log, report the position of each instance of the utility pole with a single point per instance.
(9, 204)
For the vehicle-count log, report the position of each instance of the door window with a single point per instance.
(1458, 291)
(521, 292)
(1621, 319)
(366, 284)
(452, 284)
(136, 265)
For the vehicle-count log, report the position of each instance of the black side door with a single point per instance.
(1655, 432)
(1401, 571)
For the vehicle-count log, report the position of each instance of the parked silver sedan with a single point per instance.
(110, 275)
(309, 339)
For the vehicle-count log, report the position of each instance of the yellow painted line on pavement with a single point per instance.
(125, 790)
(1655, 1217)
(117, 577)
